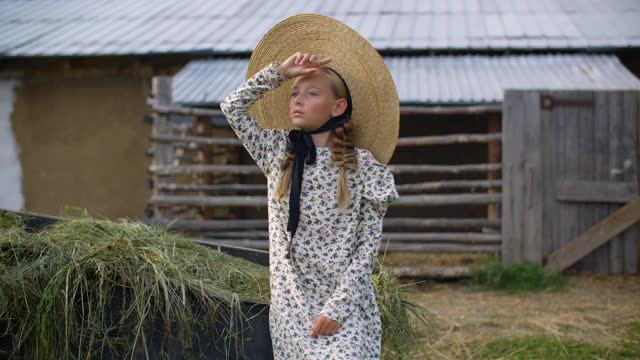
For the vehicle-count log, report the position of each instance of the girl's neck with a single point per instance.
(323, 139)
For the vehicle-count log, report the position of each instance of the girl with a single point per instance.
(326, 202)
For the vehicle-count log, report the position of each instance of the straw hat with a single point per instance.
(376, 109)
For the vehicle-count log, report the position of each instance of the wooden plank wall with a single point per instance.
(521, 174)
(564, 170)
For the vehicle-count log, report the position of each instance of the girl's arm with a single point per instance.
(262, 144)
(379, 193)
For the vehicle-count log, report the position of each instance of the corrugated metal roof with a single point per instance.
(429, 80)
(121, 27)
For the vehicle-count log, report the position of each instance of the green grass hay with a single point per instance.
(57, 288)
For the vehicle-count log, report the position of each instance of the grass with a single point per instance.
(547, 347)
(524, 277)
(61, 287)
(87, 287)
(399, 341)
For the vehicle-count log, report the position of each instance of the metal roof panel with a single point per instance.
(443, 80)
(48, 28)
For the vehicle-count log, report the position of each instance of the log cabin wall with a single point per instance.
(446, 165)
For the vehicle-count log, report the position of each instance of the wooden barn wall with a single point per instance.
(544, 151)
(631, 60)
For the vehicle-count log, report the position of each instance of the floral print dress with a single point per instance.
(333, 250)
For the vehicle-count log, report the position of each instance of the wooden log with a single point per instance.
(166, 109)
(450, 110)
(202, 127)
(449, 139)
(198, 169)
(241, 224)
(196, 140)
(162, 154)
(494, 156)
(253, 169)
(433, 272)
(232, 200)
(448, 184)
(447, 169)
(214, 187)
(423, 237)
(208, 225)
(447, 199)
(261, 201)
(390, 247)
(435, 223)
(402, 189)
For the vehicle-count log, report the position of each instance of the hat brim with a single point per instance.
(376, 109)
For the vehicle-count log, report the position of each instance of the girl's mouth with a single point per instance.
(298, 113)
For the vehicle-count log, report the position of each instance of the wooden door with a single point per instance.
(570, 160)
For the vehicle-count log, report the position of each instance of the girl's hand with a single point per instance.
(302, 64)
(324, 326)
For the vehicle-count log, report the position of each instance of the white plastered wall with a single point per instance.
(11, 196)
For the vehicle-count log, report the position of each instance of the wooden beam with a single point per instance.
(202, 128)
(403, 141)
(196, 140)
(494, 155)
(402, 189)
(432, 272)
(194, 200)
(596, 191)
(594, 237)
(421, 237)
(214, 187)
(254, 169)
(183, 110)
(243, 224)
(198, 169)
(447, 199)
(449, 139)
(162, 154)
(208, 225)
(448, 169)
(448, 184)
(390, 247)
(434, 223)
(261, 200)
(450, 110)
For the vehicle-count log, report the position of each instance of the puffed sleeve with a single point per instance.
(379, 191)
(262, 144)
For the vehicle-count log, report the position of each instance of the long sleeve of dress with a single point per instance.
(262, 144)
(378, 193)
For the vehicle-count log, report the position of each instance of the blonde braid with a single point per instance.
(286, 168)
(344, 155)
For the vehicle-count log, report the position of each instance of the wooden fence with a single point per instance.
(195, 171)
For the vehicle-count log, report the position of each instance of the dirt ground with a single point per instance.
(594, 309)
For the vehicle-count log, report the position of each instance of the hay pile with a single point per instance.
(57, 291)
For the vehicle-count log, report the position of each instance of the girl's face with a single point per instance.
(312, 101)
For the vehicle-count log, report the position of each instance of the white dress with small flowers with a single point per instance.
(334, 249)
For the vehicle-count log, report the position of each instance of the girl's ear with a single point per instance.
(339, 107)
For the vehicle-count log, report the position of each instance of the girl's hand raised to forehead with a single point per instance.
(302, 64)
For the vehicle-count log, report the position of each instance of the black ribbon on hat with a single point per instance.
(302, 146)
